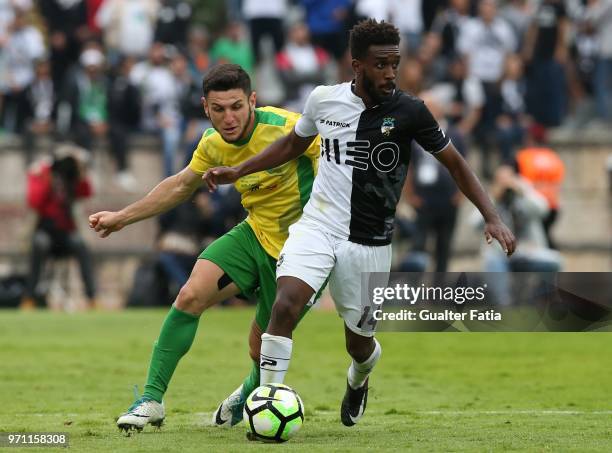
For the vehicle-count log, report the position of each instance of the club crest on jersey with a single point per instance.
(387, 126)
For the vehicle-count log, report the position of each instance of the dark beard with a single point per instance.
(370, 89)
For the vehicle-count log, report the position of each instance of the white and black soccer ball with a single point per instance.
(273, 413)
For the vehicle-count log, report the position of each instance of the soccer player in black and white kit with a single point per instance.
(366, 129)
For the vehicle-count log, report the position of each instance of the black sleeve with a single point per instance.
(427, 132)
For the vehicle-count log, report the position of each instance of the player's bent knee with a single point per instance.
(188, 300)
(287, 310)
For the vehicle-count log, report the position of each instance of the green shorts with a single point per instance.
(243, 259)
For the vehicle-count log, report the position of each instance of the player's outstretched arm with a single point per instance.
(169, 193)
(471, 187)
(281, 151)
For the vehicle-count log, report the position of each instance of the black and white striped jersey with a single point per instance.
(364, 159)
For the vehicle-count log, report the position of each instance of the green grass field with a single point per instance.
(430, 392)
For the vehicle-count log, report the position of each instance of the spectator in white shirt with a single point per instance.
(128, 26)
(161, 96)
(7, 16)
(487, 40)
(518, 14)
(22, 48)
(407, 16)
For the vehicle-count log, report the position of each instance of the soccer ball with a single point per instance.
(273, 413)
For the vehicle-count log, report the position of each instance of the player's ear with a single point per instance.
(357, 68)
(253, 99)
(205, 105)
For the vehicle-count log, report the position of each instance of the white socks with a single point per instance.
(275, 357)
(359, 372)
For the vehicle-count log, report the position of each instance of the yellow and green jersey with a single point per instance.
(274, 198)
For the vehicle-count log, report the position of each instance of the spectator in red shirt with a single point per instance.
(53, 188)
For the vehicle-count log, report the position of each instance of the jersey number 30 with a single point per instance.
(384, 157)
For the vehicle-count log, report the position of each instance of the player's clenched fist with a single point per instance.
(220, 175)
(106, 222)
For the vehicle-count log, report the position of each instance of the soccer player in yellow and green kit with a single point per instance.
(241, 261)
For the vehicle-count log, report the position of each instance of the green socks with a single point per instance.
(177, 334)
(175, 339)
(250, 383)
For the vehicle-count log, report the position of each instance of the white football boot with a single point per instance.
(229, 412)
(143, 411)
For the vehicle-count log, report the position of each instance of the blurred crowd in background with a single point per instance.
(496, 74)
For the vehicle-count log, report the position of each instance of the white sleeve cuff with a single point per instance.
(305, 128)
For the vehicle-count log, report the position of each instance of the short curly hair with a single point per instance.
(226, 77)
(370, 32)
